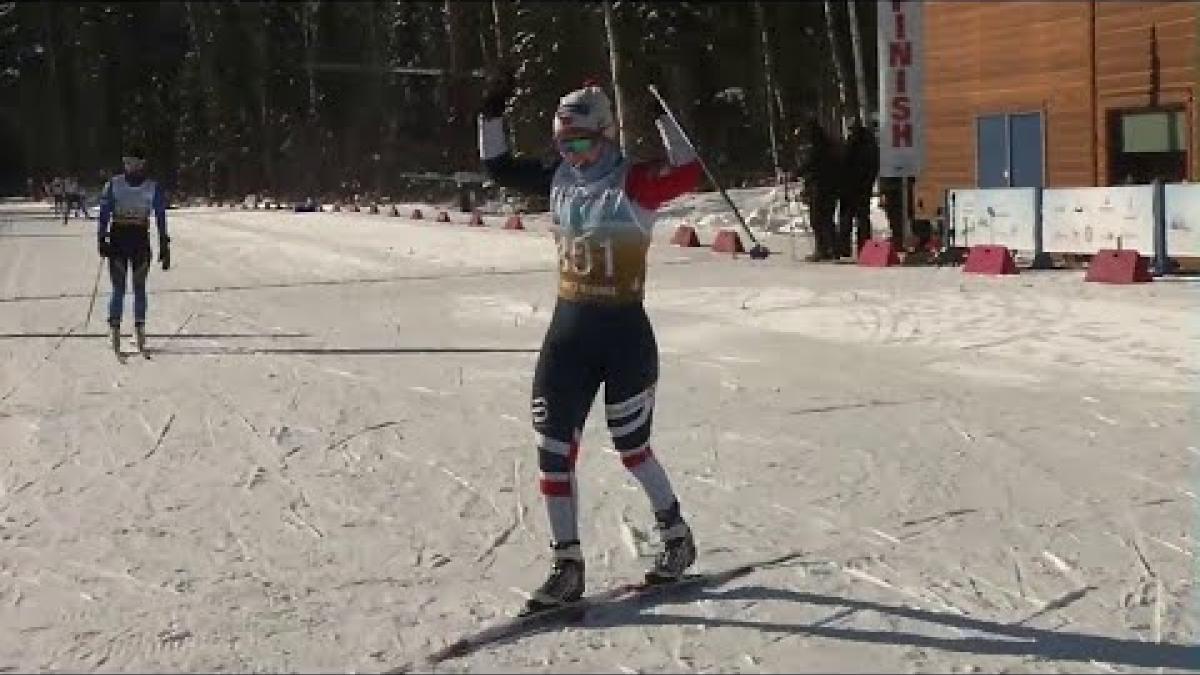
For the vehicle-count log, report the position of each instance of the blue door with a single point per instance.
(1008, 150)
(1025, 150)
(991, 151)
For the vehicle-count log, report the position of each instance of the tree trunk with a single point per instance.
(769, 97)
(859, 78)
(614, 66)
(836, 56)
(266, 137)
(54, 111)
(456, 82)
(208, 94)
(499, 26)
(312, 127)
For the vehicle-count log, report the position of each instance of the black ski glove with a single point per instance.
(103, 246)
(496, 92)
(164, 252)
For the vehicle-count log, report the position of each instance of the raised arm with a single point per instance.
(528, 175)
(653, 184)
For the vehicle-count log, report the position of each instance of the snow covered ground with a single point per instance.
(327, 464)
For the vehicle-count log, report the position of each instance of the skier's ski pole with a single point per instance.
(757, 250)
(95, 287)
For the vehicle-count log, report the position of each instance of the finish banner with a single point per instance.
(900, 63)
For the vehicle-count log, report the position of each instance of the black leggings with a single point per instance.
(130, 252)
(587, 345)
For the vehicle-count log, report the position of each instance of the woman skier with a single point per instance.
(604, 208)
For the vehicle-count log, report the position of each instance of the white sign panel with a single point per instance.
(1182, 212)
(1004, 216)
(900, 76)
(1085, 220)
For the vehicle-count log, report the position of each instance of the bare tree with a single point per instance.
(860, 80)
(457, 79)
(836, 56)
(614, 65)
(769, 98)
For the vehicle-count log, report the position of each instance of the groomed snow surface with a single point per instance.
(327, 462)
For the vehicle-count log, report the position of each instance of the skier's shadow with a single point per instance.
(1010, 640)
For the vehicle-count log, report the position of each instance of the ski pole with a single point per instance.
(757, 250)
(95, 287)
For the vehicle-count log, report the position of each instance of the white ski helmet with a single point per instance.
(587, 109)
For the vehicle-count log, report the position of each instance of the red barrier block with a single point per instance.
(476, 218)
(727, 241)
(417, 215)
(990, 259)
(514, 223)
(878, 253)
(1112, 266)
(443, 217)
(685, 235)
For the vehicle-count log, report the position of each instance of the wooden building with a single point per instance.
(1058, 94)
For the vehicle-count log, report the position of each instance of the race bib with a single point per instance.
(601, 268)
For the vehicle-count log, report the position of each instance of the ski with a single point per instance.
(512, 626)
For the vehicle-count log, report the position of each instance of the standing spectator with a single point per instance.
(819, 172)
(859, 170)
(57, 193)
(891, 200)
(74, 198)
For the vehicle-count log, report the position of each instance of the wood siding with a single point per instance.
(994, 57)
(1128, 35)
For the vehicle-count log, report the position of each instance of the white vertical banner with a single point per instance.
(900, 64)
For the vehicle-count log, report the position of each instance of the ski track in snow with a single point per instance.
(983, 474)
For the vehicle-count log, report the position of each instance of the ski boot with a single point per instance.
(565, 584)
(139, 337)
(114, 337)
(679, 549)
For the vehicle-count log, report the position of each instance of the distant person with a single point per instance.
(891, 200)
(57, 193)
(123, 229)
(73, 200)
(819, 172)
(859, 168)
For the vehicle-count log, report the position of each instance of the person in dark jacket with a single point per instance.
(858, 173)
(819, 173)
(127, 203)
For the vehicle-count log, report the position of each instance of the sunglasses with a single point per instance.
(576, 145)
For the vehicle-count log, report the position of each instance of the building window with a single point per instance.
(1148, 145)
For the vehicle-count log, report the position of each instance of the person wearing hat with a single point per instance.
(126, 204)
(603, 207)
